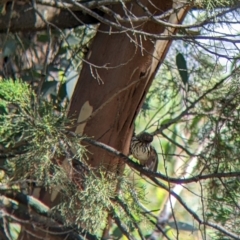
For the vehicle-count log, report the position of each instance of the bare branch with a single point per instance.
(25, 18)
(151, 175)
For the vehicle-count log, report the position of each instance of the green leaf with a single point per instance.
(193, 32)
(62, 50)
(182, 68)
(182, 226)
(166, 121)
(14, 230)
(72, 40)
(195, 122)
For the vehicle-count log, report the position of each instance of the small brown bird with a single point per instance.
(142, 150)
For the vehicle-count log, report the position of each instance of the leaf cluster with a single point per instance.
(32, 133)
(34, 139)
(212, 4)
(38, 151)
(222, 155)
(98, 198)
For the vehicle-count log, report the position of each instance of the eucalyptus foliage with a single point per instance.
(212, 122)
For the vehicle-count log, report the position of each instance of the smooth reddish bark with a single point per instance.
(116, 97)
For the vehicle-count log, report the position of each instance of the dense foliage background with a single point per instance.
(49, 185)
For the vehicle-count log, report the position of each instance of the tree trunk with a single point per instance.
(115, 78)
